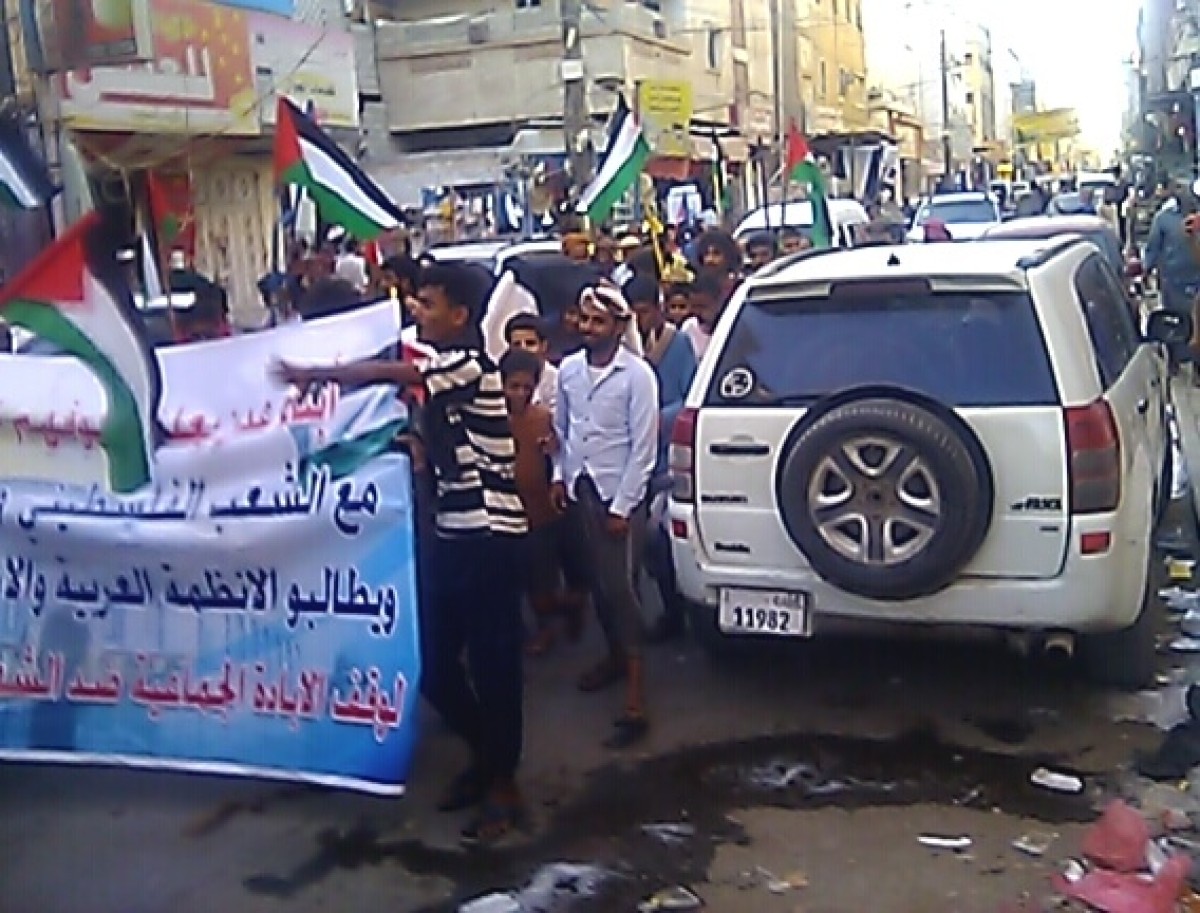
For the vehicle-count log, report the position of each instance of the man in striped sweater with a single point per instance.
(476, 583)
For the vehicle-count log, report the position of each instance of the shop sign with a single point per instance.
(201, 80)
(307, 64)
(665, 107)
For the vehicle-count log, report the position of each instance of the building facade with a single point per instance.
(473, 90)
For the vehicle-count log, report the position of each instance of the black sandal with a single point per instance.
(494, 822)
(629, 730)
(465, 791)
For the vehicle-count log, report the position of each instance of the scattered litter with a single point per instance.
(1185, 645)
(558, 883)
(1125, 892)
(945, 843)
(1157, 856)
(676, 898)
(1180, 569)
(1073, 871)
(1118, 840)
(1035, 843)
(782, 776)
(776, 885)
(1178, 600)
(670, 832)
(1189, 625)
(1058, 782)
(492, 903)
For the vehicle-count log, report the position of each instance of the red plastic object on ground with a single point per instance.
(1118, 840)
(1122, 892)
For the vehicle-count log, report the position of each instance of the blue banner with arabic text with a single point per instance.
(253, 611)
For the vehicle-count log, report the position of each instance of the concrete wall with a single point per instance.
(504, 67)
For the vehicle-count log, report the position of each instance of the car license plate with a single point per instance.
(769, 612)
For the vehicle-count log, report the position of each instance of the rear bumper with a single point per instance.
(1093, 593)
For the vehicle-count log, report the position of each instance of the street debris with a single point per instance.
(560, 883)
(1073, 871)
(1179, 601)
(1132, 874)
(1058, 782)
(776, 885)
(672, 833)
(551, 889)
(491, 903)
(1035, 843)
(676, 898)
(1118, 840)
(1189, 624)
(945, 843)
(1180, 570)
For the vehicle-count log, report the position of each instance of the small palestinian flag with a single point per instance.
(24, 181)
(345, 195)
(625, 156)
(73, 296)
(802, 168)
(170, 206)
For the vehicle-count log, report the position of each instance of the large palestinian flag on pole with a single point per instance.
(625, 156)
(73, 296)
(345, 195)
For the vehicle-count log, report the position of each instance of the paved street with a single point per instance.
(796, 780)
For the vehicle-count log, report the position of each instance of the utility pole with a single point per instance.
(947, 155)
(576, 121)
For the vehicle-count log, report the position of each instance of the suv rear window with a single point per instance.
(962, 349)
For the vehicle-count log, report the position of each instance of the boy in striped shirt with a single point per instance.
(476, 583)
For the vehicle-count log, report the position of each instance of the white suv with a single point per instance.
(940, 436)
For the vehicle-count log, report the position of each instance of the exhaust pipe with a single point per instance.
(1059, 646)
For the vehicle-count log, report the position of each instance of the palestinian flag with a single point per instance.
(170, 207)
(802, 169)
(625, 156)
(24, 181)
(73, 296)
(345, 195)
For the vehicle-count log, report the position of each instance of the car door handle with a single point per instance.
(738, 448)
(1143, 406)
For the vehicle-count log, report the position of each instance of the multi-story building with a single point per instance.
(835, 75)
(470, 86)
(194, 117)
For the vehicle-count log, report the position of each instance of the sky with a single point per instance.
(1074, 53)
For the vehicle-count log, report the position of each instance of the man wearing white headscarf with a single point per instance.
(606, 421)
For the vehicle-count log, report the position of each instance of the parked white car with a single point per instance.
(966, 215)
(845, 215)
(892, 434)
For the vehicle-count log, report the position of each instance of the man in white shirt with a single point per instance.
(606, 421)
(351, 266)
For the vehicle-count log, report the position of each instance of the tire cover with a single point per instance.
(885, 497)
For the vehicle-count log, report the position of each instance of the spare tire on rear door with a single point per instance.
(887, 495)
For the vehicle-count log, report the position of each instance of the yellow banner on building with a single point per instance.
(1046, 126)
(665, 107)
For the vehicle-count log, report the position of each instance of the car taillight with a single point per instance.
(683, 456)
(1095, 465)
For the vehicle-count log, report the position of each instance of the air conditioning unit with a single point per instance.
(479, 31)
